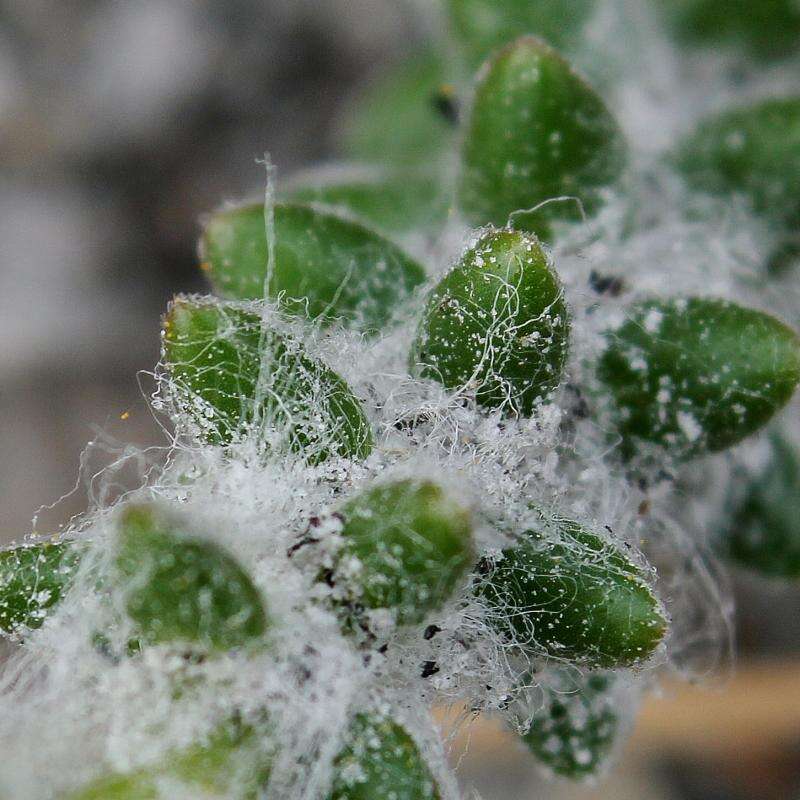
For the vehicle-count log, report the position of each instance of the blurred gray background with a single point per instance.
(121, 123)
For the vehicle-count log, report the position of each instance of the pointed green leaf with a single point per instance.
(326, 267)
(537, 132)
(396, 120)
(753, 152)
(497, 324)
(574, 730)
(485, 25)
(766, 29)
(575, 597)
(697, 374)
(764, 530)
(393, 202)
(33, 579)
(181, 588)
(231, 766)
(214, 356)
(413, 544)
(380, 760)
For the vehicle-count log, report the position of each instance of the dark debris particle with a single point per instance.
(430, 632)
(611, 285)
(302, 543)
(383, 648)
(483, 567)
(429, 668)
(444, 101)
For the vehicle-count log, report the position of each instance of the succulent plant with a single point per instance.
(391, 480)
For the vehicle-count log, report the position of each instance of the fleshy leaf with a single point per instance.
(413, 544)
(326, 267)
(497, 324)
(753, 152)
(574, 730)
(380, 760)
(484, 25)
(397, 120)
(537, 132)
(180, 588)
(766, 29)
(575, 597)
(231, 766)
(697, 374)
(219, 357)
(394, 202)
(33, 578)
(763, 534)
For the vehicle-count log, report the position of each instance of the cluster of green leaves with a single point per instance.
(680, 377)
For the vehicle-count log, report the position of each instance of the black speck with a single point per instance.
(606, 284)
(444, 102)
(429, 668)
(430, 632)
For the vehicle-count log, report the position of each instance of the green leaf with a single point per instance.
(380, 760)
(766, 29)
(574, 730)
(326, 267)
(396, 119)
(697, 374)
(394, 202)
(413, 543)
(231, 766)
(537, 132)
(181, 588)
(575, 597)
(497, 324)
(33, 579)
(484, 25)
(217, 357)
(764, 531)
(753, 152)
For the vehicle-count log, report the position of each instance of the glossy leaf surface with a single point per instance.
(413, 543)
(576, 597)
(537, 132)
(326, 267)
(697, 374)
(33, 578)
(496, 325)
(232, 377)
